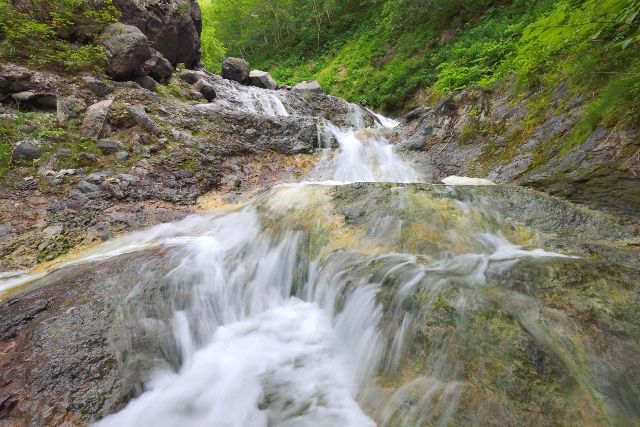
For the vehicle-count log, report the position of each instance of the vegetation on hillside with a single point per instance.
(394, 54)
(54, 34)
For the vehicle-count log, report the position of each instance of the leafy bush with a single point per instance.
(54, 34)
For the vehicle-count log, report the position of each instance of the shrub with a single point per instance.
(54, 34)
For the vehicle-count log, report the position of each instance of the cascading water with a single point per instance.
(310, 304)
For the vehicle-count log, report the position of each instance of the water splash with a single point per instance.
(363, 156)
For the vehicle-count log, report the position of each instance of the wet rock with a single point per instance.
(44, 101)
(26, 151)
(127, 50)
(95, 118)
(159, 68)
(172, 26)
(69, 108)
(309, 86)
(98, 87)
(262, 79)
(147, 83)
(206, 89)
(236, 69)
(109, 146)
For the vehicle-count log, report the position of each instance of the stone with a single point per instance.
(94, 178)
(206, 89)
(44, 101)
(26, 151)
(159, 68)
(309, 86)
(262, 79)
(95, 118)
(142, 119)
(122, 156)
(87, 187)
(98, 87)
(172, 27)
(236, 69)
(191, 76)
(109, 146)
(69, 108)
(127, 50)
(147, 83)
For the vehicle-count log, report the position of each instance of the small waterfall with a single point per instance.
(384, 122)
(363, 156)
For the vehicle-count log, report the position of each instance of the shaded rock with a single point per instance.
(68, 108)
(95, 118)
(147, 83)
(262, 79)
(236, 69)
(109, 146)
(172, 26)
(310, 86)
(26, 151)
(206, 89)
(45, 101)
(100, 88)
(142, 119)
(159, 68)
(122, 156)
(127, 50)
(87, 187)
(191, 76)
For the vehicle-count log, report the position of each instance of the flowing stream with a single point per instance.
(279, 314)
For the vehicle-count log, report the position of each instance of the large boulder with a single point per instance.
(127, 50)
(173, 27)
(236, 69)
(262, 79)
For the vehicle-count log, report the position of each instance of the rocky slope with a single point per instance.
(94, 158)
(487, 133)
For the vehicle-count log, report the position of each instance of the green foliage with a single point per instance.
(43, 33)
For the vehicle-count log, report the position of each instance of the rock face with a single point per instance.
(75, 346)
(479, 133)
(127, 50)
(236, 69)
(173, 27)
(262, 79)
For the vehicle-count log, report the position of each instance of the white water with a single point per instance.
(267, 334)
(363, 157)
(384, 122)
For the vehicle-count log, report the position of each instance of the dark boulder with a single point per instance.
(147, 82)
(108, 146)
(159, 68)
(173, 27)
(26, 151)
(206, 89)
(127, 50)
(97, 86)
(236, 69)
(46, 101)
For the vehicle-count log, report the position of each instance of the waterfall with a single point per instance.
(303, 306)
